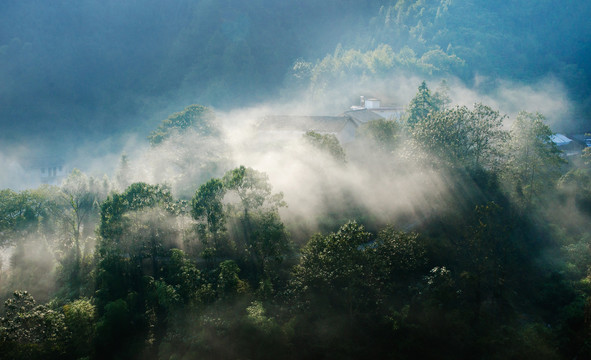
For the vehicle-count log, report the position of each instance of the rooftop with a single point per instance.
(303, 123)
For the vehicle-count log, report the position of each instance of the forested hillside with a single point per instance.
(444, 235)
(185, 229)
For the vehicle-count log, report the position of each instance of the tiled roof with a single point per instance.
(332, 124)
(560, 139)
(363, 116)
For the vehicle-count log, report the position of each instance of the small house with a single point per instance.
(567, 145)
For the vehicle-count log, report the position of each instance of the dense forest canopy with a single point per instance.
(456, 229)
(443, 234)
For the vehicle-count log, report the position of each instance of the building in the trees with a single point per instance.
(390, 112)
(49, 170)
(343, 126)
(568, 146)
(583, 139)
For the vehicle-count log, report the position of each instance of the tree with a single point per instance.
(355, 271)
(228, 282)
(397, 253)
(382, 133)
(183, 275)
(31, 331)
(123, 175)
(197, 117)
(118, 332)
(460, 137)
(488, 255)
(326, 143)
(134, 226)
(533, 159)
(421, 106)
(82, 196)
(268, 244)
(26, 212)
(253, 189)
(188, 144)
(486, 136)
(243, 200)
(80, 319)
(575, 185)
(335, 266)
(263, 233)
(207, 207)
(136, 197)
(137, 230)
(441, 96)
(444, 136)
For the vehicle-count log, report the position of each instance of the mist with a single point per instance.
(81, 72)
(148, 211)
(89, 70)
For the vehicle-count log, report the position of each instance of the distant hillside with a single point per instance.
(96, 68)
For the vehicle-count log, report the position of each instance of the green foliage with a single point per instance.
(436, 61)
(377, 62)
(470, 31)
(194, 150)
(353, 272)
(398, 253)
(182, 274)
(534, 160)
(115, 332)
(136, 233)
(137, 197)
(575, 185)
(267, 244)
(199, 118)
(462, 137)
(26, 212)
(421, 106)
(502, 284)
(228, 282)
(334, 262)
(252, 188)
(586, 156)
(383, 134)
(257, 236)
(80, 319)
(327, 143)
(82, 196)
(31, 331)
(207, 207)
(256, 314)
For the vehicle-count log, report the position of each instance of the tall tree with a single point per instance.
(81, 195)
(421, 106)
(136, 232)
(533, 159)
(123, 174)
(208, 208)
(263, 234)
(486, 136)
